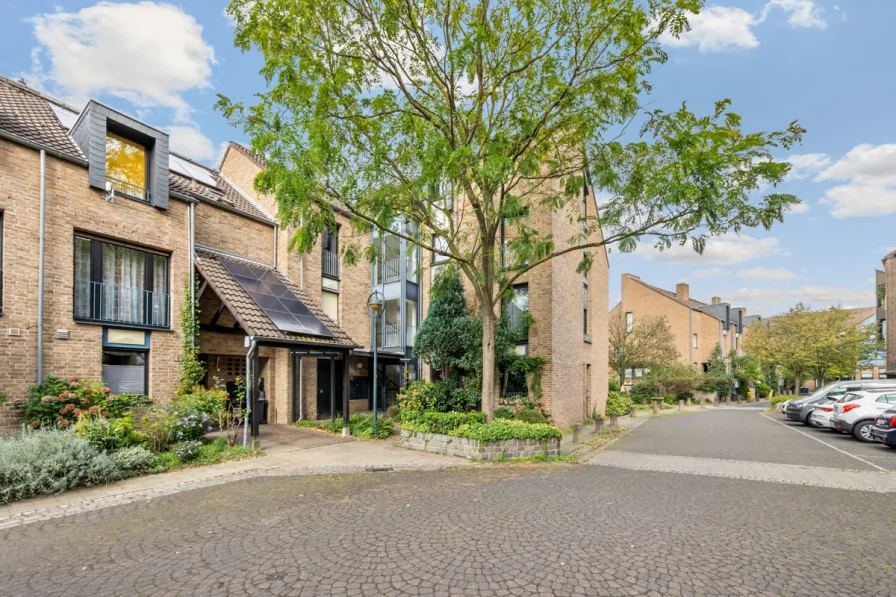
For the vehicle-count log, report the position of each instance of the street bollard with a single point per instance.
(613, 418)
(634, 411)
(703, 403)
(598, 426)
(680, 405)
(577, 433)
(689, 403)
(656, 406)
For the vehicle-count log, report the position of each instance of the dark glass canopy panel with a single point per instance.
(278, 302)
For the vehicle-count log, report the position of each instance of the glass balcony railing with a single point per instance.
(111, 303)
(129, 189)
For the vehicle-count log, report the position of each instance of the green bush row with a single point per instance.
(359, 424)
(437, 422)
(46, 461)
(503, 429)
(776, 400)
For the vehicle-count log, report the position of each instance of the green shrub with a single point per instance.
(392, 411)
(360, 425)
(136, 458)
(529, 415)
(618, 403)
(187, 450)
(45, 461)
(158, 425)
(109, 434)
(643, 392)
(503, 429)
(59, 402)
(670, 399)
(436, 422)
(763, 390)
(439, 396)
(418, 396)
(502, 412)
(614, 385)
(201, 400)
(776, 400)
(463, 400)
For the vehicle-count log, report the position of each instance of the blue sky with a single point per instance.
(826, 65)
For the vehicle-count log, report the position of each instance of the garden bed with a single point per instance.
(439, 443)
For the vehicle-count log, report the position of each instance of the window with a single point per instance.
(585, 307)
(888, 398)
(514, 309)
(124, 371)
(410, 321)
(694, 341)
(330, 253)
(629, 322)
(329, 301)
(867, 375)
(126, 166)
(439, 243)
(120, 284)
(513, 384)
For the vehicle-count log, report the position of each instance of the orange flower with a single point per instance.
(94, 410)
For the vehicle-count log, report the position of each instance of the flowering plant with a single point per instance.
(187, 450)
(189, 424)
(59, 402)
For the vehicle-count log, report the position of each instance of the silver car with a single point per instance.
(800, 409)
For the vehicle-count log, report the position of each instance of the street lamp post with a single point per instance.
(374, 308)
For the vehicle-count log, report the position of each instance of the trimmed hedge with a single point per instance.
(503, 429)
(436, 422)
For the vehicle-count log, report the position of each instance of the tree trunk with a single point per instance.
(488, 360)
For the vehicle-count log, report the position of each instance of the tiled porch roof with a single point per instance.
(249, 315)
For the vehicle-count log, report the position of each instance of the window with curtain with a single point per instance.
(120, 284)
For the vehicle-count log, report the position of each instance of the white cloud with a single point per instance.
(764, 273)
(806, 164)
(826, 296)
(727, 249)
(146, 53)
(803, 13)
(871, 188)
(710, 272)
(720, 28)
(751, 297)
(190, 142)
(799, 208)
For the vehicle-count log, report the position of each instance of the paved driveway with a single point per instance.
(554, 530)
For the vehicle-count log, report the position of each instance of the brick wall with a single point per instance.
(71, 205)
(226, 231)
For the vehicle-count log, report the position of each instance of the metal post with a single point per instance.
(346, 385)
(40, 266)
(332, 388)
(374, 378)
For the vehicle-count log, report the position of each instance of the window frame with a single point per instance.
(328, 239)
(507, 302)
(585, 309)
(629, 322)
(96, 276)
(140, 350)
(148, 146)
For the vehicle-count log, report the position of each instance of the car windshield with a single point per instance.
(820, 392)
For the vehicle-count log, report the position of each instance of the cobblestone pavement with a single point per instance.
(561, 530)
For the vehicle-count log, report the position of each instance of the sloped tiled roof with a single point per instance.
(256, 159)
(860, 314)
(249, 315)
(687, 303)
(27, 114)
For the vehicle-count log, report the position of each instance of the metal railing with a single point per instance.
(330, 264)
(390, 336)
(515, 395)
(129, 189)
(111, 303)
(392, 270)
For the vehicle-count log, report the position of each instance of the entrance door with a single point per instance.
(323, 388)
(389, 378)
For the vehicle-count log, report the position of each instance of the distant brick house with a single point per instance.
(127, 225)
(696, 326)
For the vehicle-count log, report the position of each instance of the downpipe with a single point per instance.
(249, 383)
(40, 266)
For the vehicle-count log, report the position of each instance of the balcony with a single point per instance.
(390, 336)
(392, 271)
(129, 189)
(330, 264)
(123, 305)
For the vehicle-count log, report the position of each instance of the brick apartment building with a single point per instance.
(696, 326)
(127, 225)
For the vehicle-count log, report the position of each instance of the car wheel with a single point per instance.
(862, 432)
(808, 421)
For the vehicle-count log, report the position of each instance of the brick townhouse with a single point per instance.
(102, 230)
(696, 326)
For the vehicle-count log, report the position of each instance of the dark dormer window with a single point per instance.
(126, 166)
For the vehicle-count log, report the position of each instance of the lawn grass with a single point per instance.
(214, 452)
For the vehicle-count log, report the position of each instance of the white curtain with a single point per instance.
(123, 284)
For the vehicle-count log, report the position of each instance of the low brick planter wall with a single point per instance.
(472, 448)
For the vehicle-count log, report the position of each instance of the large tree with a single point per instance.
(648, 343)
(819, 343)
(459, 116)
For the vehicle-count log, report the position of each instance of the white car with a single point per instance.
(821, 416)
(856, 411)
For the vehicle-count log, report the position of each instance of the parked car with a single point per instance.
(884, 429)
(801, 409)
(857, 411)
(821, 415)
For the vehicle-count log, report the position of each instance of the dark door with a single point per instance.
(323, 388)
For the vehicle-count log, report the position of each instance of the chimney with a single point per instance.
(632, 276)
(744, 310)
(683, 291)
(716, 300)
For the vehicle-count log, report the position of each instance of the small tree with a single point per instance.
(650, 343)
(675, 378)
(447, 333)
(718, 378)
